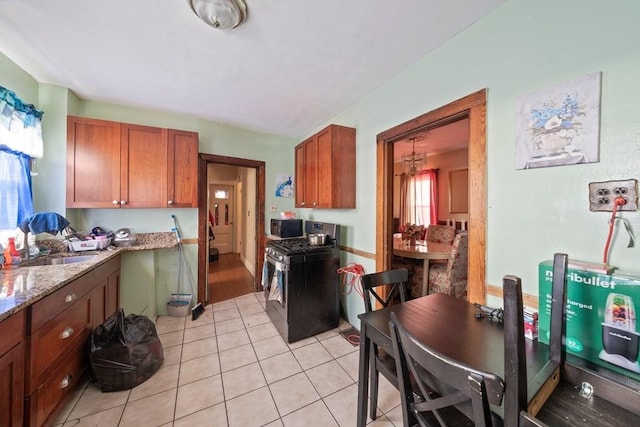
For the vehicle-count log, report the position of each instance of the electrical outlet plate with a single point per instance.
(603, 194)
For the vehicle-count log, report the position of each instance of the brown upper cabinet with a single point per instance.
(121, 165)
(326, 169)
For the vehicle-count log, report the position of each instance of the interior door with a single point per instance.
(221, 207)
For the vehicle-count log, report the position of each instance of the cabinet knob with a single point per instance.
(70, 297)
(123, 202)
(68, 331)
(66, 381)
(170, 202)
(302, 203)
(115, 202)
(315, 203)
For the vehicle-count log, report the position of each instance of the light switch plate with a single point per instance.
(603, 194)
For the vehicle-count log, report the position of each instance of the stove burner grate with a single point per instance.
(297, 246)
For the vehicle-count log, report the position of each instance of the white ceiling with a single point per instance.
(450, 137)
(292, 66)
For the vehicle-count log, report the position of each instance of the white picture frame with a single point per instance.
(559, 125)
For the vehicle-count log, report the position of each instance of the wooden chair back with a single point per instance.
(396, 280)
(517, 411)
(445, 387)
(381, 360)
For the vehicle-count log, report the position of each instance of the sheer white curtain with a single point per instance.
(418, 198)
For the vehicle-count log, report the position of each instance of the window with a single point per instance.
(221, 194)
(418, 198)
(422, 201)
(20, 142)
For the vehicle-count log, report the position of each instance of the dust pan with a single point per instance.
(178, 308)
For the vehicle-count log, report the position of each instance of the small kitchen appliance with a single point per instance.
(286, 227)
(620, 341)
(301, 283)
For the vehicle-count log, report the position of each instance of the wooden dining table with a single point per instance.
(449, 326)
(424, 250)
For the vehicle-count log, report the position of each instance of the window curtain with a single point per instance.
(430, 180)
(405, 203)
(419, 198)
(20, 142)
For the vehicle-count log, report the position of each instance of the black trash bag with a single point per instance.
(124, 352)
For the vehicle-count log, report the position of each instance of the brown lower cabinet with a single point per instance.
(12, 351)
(59, 327)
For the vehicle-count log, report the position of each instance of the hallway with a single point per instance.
(228, 278)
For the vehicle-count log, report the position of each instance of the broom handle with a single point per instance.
(183, 261)
(180, 265)
(175, 227)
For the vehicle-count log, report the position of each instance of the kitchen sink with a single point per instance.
(58, 260)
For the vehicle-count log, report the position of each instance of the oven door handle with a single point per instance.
(272, 260)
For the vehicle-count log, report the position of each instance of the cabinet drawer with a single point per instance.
(11, 331)
(62, 380)
(49, 307)
(56, 338)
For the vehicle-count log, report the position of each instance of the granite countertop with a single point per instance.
(24, 285)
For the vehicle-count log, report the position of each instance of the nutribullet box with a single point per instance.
(601, 317)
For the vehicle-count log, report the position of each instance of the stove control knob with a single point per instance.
(280, 257)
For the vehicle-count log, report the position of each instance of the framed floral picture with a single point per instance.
(559, 125)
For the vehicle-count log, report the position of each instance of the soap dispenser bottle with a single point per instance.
(14, 255)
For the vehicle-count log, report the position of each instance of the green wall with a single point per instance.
(522, 47)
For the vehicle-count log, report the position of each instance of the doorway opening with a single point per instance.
(240, 201)
(472, 107)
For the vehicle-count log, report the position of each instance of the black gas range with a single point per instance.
(301, 283)
(296, 246)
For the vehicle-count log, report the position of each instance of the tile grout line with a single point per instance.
(289, 350)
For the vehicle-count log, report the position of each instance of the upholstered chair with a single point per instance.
(451, 278)
(441, 233)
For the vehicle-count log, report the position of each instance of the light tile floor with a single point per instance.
(230, 367)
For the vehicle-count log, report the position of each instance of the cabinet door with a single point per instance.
(12, 359)
(325, 173)
(112, 298)
(93, 163)
(12, 386)
(105, 298)
(311, 173)
(97, 298)
(300, 176)
(143, 162)
(182, 167)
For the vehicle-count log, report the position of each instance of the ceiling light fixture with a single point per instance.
(413, 161)
(220, 14)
